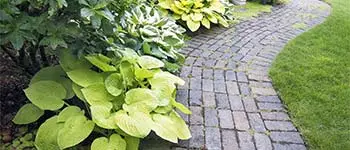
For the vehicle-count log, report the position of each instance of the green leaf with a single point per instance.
(85, 77)
(54, 73)
(16, 40)
(206, 23)
(142, 73)
(68, 112)
(46, 137)
(149, 62)
(115, 142)
(196, 16)
(114, 84)
(86, 13)
(101, 115)
(28, 113)
(140, 99)
(170, 127)
(127, 71)
(182, 130)
(47, 95)
(74, 131)
(77, 90)
(181, 107)
(137, 124)
(164, 127)
(96, 93)
(101, 62)
(193, 25)
(132, 143)
(70, 62)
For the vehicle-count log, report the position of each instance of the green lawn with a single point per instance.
(312, 74)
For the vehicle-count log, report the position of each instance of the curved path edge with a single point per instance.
(233, 103)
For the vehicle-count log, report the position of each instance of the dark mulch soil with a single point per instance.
(13, 80)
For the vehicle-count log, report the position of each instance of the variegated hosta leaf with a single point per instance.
(149, 62)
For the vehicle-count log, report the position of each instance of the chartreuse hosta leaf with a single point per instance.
(28, 113)
(127, 72)
(47, 95)
(96, 93)
(46, 137)
(54, 73)
(180, 106)
(101, 62)
(170, 127)
(137, 124)
(85, 77)
(140, 99)
(149, 62)
(101, 115)
(68, 112)
(75, 130)
(163, 83)
(114, 84)
(77, 90)
(115, 142)
(70, 62)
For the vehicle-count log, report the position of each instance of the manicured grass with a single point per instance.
(312, 74)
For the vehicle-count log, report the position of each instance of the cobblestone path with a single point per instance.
(228, 90)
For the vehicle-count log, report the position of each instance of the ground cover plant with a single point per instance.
(312, 74)
(104, 82)
(196, 12)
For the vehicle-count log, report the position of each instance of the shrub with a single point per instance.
(196, 12)
(107, 78)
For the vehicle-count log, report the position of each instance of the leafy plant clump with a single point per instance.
(116, 91)
(153, 34)
(108, 77)
(197, 12)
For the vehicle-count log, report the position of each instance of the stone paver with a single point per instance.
(233, 103)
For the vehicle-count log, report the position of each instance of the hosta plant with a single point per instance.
(146, 30)
(120, 97)
(196, 12)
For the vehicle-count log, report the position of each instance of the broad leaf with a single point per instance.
(74, 131)
(28, 113)
(96, 93)
(77, 90)
(137, 124)
(127, 71)
(149, 62)
(140, 99)
(46, 137)
(181, 107)
(101, 115)
(164, 127)
(68, 112)
(85, 77)
(54, 73)
(114, 84)
(206, 23)
(47, 95)
(101, 62)
(115, 142)
(193, 25)
(70, 62)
